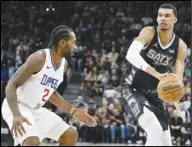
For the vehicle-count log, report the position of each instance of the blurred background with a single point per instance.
(105, 30)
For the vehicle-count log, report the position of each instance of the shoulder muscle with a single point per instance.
(33, 64)
(182, 50)
(146, 35)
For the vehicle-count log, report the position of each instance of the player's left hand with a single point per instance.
(82, 115)
(178, 108)
(172, 74)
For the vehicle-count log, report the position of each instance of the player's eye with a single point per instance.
(167, 15)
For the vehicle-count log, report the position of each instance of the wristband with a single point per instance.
(72, 110)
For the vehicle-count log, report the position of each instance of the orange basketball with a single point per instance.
(171, 89)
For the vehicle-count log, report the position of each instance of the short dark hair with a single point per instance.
(169, 6)
(58, 33)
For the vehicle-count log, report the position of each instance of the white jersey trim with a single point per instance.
(168, 45)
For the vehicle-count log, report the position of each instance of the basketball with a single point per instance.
(171, 89)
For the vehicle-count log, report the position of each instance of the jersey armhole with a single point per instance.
(64, 64)
(36, 73)
(177, 48)
(146, 46)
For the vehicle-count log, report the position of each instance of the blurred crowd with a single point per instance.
(104, 32)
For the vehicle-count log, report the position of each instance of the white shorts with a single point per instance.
(45, 124)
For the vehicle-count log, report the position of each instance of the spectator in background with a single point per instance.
(4, 74)
(103, 55)
(77, 58)
(81, 31)
(106, 121)
(169, 109)
(91, 107)
(131, 128)
(95, 73)
(113, 55)
(11, 68)
(100, 117)
(97, 90)
(85, 131)
(79, 103)
(117, 126)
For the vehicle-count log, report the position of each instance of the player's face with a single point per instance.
(69, 45)
(166, 19)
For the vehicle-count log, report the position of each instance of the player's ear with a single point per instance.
(63, 42)
(157, 20)
(175, 19)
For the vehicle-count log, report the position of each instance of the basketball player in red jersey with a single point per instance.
(151, 54)
(34, 83)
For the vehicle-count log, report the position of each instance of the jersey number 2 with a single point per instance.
(46, 91)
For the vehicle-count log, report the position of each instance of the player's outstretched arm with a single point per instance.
(79, 114)
(133, 55)
(33, 64)
(180, 66)
(60, 102)
(180, 61)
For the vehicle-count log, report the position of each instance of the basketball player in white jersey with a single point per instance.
(34, 84)
(151, 54)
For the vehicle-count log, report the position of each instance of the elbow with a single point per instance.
(9, 87)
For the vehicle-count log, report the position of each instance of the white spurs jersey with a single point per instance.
(40, 86)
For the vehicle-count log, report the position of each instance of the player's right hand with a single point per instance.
(17, 126)
(161, 76)
(82, 115)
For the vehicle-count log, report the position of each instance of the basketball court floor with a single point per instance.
(95, 144)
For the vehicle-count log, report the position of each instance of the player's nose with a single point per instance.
(163, 18)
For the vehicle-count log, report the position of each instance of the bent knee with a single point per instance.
(31, 141)
(148, 120)
(69, 133)
(155, 125)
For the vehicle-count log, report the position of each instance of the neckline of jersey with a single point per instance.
(169, 44)
(55, 68)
